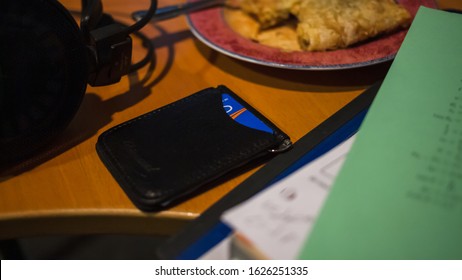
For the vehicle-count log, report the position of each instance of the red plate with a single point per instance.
(210, 27)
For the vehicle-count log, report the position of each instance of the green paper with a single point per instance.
(399, 193)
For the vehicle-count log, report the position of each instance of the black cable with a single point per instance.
(148, 58)
(92, 15)
(146, 42)
(143, 21)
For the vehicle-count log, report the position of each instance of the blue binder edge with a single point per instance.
(207, 231)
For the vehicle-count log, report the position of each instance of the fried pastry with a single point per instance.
(327, 24)
(268, 12)
(333, 24)
(283, 37)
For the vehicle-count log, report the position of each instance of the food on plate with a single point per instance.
(283, 36)
(268, 12)
(316, 25)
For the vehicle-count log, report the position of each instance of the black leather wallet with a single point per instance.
(175, 151)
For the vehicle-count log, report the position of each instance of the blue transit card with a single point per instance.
(241, 115)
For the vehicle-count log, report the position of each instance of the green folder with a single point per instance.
(399, 194)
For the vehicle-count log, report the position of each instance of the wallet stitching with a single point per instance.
(255, 148)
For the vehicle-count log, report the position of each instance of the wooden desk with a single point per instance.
(73, 193)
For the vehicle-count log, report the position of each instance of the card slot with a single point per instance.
(241, 113)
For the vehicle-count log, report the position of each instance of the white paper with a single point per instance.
(278, 220)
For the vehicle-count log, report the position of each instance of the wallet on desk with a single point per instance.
(187, 146)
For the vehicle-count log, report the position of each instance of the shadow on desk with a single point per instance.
(94, 113)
